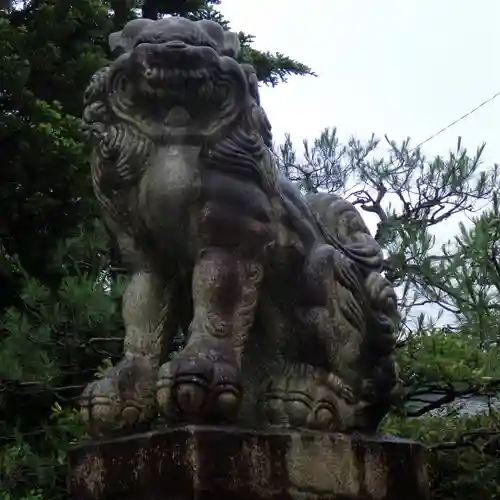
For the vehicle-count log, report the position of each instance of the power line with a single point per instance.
(494, 96)
(433, 136)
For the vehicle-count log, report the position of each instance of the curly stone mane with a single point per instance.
(245, 151)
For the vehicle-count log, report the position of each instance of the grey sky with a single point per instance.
(402, 68)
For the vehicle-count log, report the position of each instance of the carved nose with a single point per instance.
(175, 44)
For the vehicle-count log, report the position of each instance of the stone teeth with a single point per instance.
(169, 73)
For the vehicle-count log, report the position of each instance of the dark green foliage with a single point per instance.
(271, 68)
(463, 452)
(200, 9)
(51, 344)
(44, 186)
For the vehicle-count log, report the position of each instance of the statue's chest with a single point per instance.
(169, 188)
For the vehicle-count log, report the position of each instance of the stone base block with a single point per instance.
(218, 463)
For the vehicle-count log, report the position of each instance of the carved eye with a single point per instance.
(122, 84)
(125, 87)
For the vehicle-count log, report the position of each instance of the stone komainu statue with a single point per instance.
(287, 318)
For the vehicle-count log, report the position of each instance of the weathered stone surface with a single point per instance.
(287, 315)
(214, 463)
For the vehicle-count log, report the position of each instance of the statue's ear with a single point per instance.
(231, 45)
(115, 42)
(123, 41)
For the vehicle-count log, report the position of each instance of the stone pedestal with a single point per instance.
(217, 463)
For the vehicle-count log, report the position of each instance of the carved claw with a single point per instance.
(190, 398)
(307, 397)
(200, 385)
(122, 398)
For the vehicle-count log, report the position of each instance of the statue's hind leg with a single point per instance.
(318, 392)
(302, 395)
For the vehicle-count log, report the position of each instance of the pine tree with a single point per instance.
(50, 347)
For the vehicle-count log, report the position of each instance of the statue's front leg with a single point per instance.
(125, 395)
(203, 382)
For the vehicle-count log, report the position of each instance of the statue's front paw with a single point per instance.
(123, 397)
(307, 397)
(201, 385)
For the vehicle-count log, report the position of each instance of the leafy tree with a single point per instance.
(59, 292)
(44, 190)
(449, 295)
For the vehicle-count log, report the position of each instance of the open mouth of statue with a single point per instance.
(170, 86)
(175, 96)
(173, 83)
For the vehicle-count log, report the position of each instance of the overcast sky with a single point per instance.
(402, 68)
